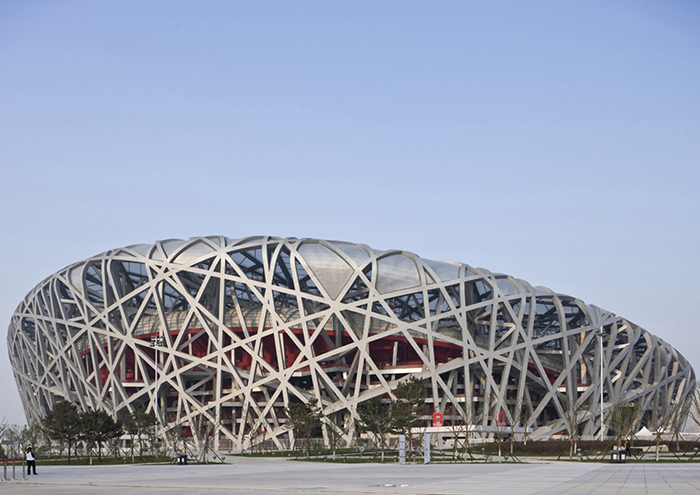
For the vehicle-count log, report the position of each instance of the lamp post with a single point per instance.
(156, 342)
(599, 333)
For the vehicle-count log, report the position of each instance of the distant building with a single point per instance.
(251, 325)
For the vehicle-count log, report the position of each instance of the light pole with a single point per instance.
(156, 342)
(599, 333)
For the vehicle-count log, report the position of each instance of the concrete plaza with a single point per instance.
(274, 476)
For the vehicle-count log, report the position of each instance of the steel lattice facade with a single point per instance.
(250, 325)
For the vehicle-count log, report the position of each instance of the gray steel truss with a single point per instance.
(251, 325)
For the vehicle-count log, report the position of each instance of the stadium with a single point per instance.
(219, 335)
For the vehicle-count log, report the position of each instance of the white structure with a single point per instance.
(251, 325)
(692, 425)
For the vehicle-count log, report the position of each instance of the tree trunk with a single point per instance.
(382, 438)
(658, 440)
(465, 445)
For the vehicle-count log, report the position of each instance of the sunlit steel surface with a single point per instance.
(250, 325)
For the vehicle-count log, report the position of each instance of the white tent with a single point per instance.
(644, 433)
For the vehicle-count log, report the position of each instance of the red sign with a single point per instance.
(437, 418)
(502, 419)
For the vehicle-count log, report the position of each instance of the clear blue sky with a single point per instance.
(555, 141)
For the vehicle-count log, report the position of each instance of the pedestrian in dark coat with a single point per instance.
(31, 461)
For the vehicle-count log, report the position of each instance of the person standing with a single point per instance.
(31, 462)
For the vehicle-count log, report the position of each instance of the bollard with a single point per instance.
(13, 470)
(426, 449)
(24, 471)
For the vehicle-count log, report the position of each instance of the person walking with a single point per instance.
(31, 462)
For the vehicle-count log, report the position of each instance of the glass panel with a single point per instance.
(445, 271)
(396, 272)
(331, 271)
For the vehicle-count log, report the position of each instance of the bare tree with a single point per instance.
(205, 431)
(130, 428)
(679, 415)
(573, 410)
(694, 416)
(624, 418)
(12, 438)
(335, 434)
(460, 422)
(517, 412)
(499, 427)
(3, 429)
(659, 422)
(179, 437)
(33, 435)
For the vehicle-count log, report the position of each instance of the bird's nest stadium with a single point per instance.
(248, 326)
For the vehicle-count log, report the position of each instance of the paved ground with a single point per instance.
(273, 476)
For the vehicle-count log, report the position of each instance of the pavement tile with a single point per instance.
(246, 476)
